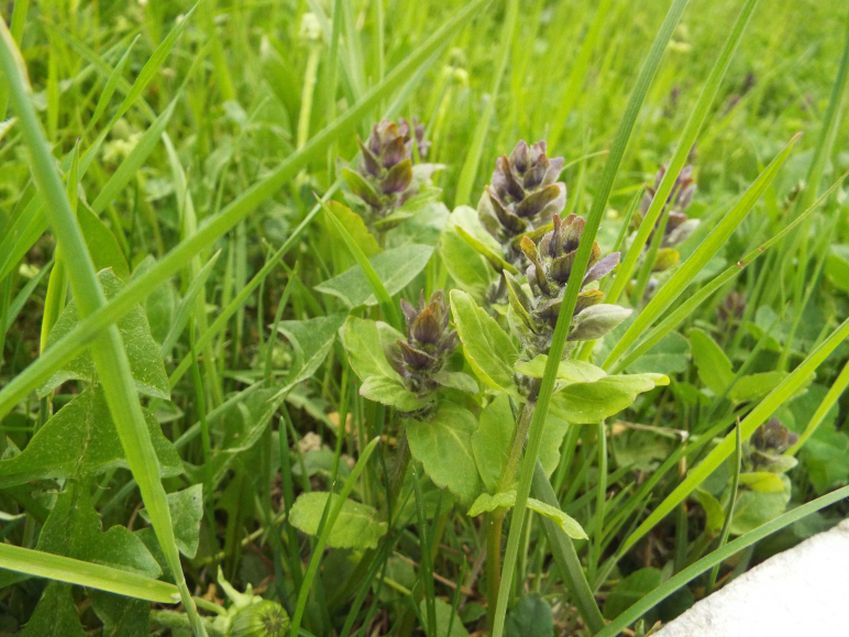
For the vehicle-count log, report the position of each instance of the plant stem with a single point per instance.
(494, 529)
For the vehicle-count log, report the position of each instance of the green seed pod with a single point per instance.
(263, 618)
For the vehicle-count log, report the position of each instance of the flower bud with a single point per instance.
(263, 618)
(430, 341)
(384, 179)
(524, 192)
(678, 225)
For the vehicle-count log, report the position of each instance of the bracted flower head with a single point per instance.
(524, 191)
(384, 179)
(430, 340)
(768, 444)
(678, 226)
(551, 261)
(773, 437)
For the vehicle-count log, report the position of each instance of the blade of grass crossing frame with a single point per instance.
(684, 275)
(72, 571)
(380, 292)
(761, 412)
(620, 142)
(138, 289)
(565, 556)
(685, 144)
(108, 351)
(647, 602)
(693, 301)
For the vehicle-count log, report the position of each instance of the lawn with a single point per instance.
(365, 317)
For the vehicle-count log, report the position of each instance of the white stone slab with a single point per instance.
(803, 592)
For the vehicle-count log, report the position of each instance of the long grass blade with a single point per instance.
(647, 602)
(754, 419)
(685, 144)
(81, 573)
(567, 309)
(108, 349)
(712, 244)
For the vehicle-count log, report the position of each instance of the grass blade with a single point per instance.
(108, 350)
(679, 158)
(324, 533)
(755, 418)
(713, 243)
(81, 573)
(693, 301)
(470, 166)
(647, 602)
(567, 309)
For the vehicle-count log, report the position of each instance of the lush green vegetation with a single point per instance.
(299, 337)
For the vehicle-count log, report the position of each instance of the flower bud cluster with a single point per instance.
(524, 194)
(551, 260)
(384, 179)
(430, 340)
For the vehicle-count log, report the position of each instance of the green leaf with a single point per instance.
(507, 500)
(355, 226)
(714, 512)
(754, 386)
(357, 527)
(121, 616)
(457, 380)
(486, 503)
(587, 403)
(489, 350)
(80, 440)
(311, 341)
(491, 441)
(186, 513)
(55, 614)
(826, 458)
(104, 248)
(73, 528)
(712, 364)
(568, 372)
(631, 589)
(443, 444)
(389, 391)
(447, 622)
(753, 508)
(146, 364)
(366, 343)
(837, 266)
(530, 617)
(763, 481)
(467, 266)
(667, 357)
(396, 268)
